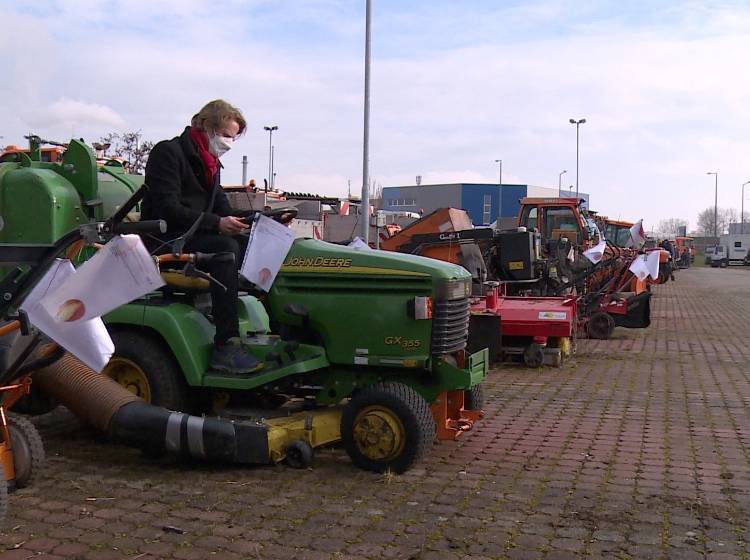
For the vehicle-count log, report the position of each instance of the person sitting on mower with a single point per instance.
(183, 176)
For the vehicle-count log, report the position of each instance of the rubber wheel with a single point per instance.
(387, 427)
(28, 449)
(146, 367)
(533, 356)
(600, 326)
(299, 454)
(474, 398)
(3, 495)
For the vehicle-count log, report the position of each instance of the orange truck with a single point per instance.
(685, 251)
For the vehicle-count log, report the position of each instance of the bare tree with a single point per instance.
(725, 216)
(671, 226)
(129, 146)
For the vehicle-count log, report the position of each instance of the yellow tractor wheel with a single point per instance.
(379, 433)
(387, 427)
(130, 375)
(145, 366)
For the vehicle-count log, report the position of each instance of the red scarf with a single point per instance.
(209, 160)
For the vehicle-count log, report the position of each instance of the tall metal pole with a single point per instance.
(270, 134)
(742, 212)
(270, 130)
(365, 210)
(577, 123)
(716, 202)
(273, 164)
(499, 195)
(559, 182)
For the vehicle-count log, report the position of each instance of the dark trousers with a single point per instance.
(223, 302)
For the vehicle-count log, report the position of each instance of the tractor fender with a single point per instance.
(185, 331)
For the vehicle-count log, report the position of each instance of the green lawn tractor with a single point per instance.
(364, 346)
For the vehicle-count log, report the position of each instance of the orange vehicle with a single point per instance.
(444, 222)
(685, 251)
(617, 232)
(49, 154)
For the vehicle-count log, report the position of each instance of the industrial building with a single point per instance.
(484, 202)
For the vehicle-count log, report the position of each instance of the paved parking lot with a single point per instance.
(638, 448)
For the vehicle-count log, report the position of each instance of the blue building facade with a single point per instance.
(484, 202)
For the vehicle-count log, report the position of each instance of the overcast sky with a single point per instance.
(664, 87)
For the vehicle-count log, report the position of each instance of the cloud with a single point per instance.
(71, 113)
(455, 86)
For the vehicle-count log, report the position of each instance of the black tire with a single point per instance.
(299, 454)
(474, 398)
(28, 449)
(3, 495)
(600, 326)
(415, 427)
(165, 382)
(533, 356)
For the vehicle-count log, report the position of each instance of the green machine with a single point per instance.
(41, 201)
(364, 346)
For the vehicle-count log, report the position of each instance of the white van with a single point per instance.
(720, 257)
(709, 252)
(737, 245)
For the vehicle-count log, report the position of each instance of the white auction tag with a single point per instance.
(267, 248)
(119, 272)
(88, 341)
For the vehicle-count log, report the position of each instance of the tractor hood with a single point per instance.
(363, 304)
(309, 256)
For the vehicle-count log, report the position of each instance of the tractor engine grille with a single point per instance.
(450, 326)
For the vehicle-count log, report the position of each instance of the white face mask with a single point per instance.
(219, 145)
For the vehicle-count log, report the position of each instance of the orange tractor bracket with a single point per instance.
(450, 417)
(9, 395)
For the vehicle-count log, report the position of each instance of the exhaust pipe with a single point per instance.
(104, 404)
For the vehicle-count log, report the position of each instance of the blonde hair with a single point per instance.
(217, 113)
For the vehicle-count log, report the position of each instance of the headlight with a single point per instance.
(454, 289)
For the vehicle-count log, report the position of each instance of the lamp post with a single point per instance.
(716, 202)
(365, 210)
(270, 130)
(742, 212)
(578, 123)
(273, 167)
(559, 182)
(500, 185)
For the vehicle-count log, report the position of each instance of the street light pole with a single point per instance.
(499, 194)
(716, 202)
(273, 167)
(365, 209)
(578, 123)
(270, 130)
(559, 182)
(742, 212)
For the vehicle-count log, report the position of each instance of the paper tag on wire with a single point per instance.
(267, 248)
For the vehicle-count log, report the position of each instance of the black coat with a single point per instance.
(178, 190)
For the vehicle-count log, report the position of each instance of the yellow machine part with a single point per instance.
(565, 345)
(316, 427)
(179, 280)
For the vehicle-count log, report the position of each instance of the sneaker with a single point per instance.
(232, 357)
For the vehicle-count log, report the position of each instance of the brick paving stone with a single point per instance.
(636, 440)
(70, 550)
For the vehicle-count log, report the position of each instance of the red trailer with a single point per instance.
(540, 330)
